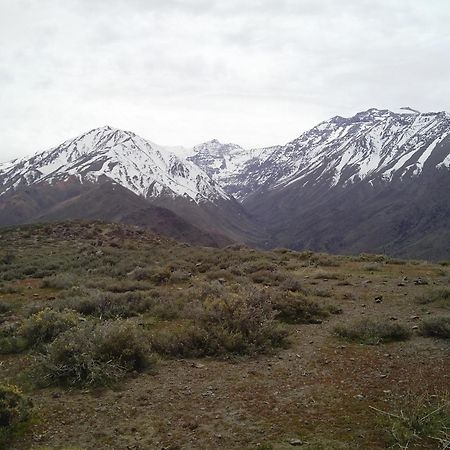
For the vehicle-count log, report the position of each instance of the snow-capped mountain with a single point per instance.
(111, 174)
(376, 182)
(372, 145)
(145, 168)
(224, 163)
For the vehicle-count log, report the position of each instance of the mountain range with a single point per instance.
(375, 182)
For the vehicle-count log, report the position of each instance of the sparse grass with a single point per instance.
(373, 331)
(418, 421)
(440, 296)
(182, 302)
(438, 327)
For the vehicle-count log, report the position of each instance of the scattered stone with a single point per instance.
(414, 318)
(420, 282)
(401, 284)
(393, 318)
(197, 365)
(296, 442)
(415, 327)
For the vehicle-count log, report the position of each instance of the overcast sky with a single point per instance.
(180, 72)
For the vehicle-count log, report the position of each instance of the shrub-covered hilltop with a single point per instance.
(113, 337)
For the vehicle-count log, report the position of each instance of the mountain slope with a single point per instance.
(151, 172)
(133, 162)
(377, 182)
(71, 200)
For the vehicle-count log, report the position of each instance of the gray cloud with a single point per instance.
(257, 72)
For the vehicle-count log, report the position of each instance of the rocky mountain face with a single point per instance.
(374, 182)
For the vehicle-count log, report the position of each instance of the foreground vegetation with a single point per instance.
(91, 305)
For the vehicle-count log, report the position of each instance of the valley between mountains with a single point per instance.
(376, 182)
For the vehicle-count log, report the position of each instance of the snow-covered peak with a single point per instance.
(224, 162)
(373, 143)
(143, 167)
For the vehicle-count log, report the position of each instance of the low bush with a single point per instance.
(324, 260)
(5, 308)
(93, 354)
(327, 276)
(108, 305)
(46, 325)
(232, 324)
(60, 281)
(267, 277)
(440, 296)
(373, 331)
(15, 410)
(185, 340)
(298, 309)
(10, 342)
(438, 327)
(292, 284)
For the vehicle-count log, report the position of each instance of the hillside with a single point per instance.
(127, 339)
(375, 182)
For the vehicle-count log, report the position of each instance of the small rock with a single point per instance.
(296, 442)
(401, 284)
(393, 318)
(415, 327)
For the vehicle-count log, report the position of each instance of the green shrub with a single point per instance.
(236, 324)
(15, 410)
(46, 325)
(161, 275)
(5, 308)
(139, 274)
(93, 354)
(298, 309)
(258, 266)
(10, 342)
(267, 277)
(185, 340)
(108, 305)
(292, 284)
(60, 281)
(436, 327)
(373, 331)
(327, 276)
(324, 260)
